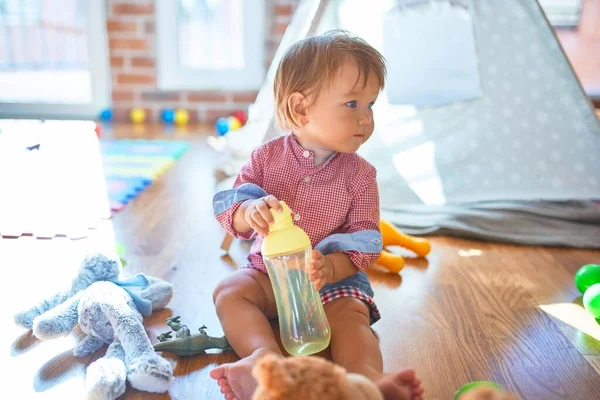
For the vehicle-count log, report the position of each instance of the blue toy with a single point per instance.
(168, 115)
(106, 114)
(222, 126)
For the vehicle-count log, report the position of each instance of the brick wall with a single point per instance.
(130, 25)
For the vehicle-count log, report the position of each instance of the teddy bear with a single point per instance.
(309, 378)
(315, 378)
(109, 310)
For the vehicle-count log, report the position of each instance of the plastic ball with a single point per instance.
(472, 385)
(591, 300)
(181, 116)
(241, 115)
(168, 115)
(121, 253)
(106, 114)
(137, 115)
(222, 126)
(233, 123)
(587, 276)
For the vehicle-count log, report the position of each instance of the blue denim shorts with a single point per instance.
(357, 286)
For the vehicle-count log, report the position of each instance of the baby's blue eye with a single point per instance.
(351, 104)
(371, 104)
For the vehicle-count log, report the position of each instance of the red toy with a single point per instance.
(241, 115)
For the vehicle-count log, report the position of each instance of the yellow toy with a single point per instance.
(181, 116)
(392, 236)
(137, 115)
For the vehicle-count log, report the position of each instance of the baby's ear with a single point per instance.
(297, 107)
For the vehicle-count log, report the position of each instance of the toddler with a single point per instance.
(325, 88)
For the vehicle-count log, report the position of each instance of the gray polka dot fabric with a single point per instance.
(532, 135)
(519, 164)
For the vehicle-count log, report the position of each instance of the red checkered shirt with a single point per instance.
(336, 202)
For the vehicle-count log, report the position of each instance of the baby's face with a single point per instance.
(341, 118)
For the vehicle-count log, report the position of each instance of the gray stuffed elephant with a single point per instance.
(109, 310)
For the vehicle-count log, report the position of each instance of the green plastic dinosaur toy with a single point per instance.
(186, 343)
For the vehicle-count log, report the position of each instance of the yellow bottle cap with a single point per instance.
(284, 237)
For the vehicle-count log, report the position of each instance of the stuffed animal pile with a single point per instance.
(109, 310)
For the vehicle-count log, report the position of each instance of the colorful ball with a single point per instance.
(222, 126)
(472, 385)
(181, 116)
(106, 114)
(591, 300)
(168, 115)
(121, 253)
(241, 115)
(233, 123)
(587, 276)
(137, 115)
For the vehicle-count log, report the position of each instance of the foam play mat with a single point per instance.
(131, 165)
(58, 179)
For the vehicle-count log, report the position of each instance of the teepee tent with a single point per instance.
(483, 130)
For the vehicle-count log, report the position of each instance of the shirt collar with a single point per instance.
(305, 157)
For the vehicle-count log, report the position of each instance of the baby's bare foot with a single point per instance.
(235, 379)
(400, 385)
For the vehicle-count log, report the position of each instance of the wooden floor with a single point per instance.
(471, 311)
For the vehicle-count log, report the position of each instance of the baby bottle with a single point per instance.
(286, 250)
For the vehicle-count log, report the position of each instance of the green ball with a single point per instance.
(591, 300)
(587, 276)
(121, 253)
(472, 385)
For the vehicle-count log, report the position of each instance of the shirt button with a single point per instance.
(307, 179)
(297, 217)
(306, 153)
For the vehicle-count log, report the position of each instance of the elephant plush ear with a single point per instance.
(158, 292)
(95, 267)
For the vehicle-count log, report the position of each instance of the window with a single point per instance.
(53, 59)
(210, 44)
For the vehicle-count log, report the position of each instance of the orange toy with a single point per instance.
(392, 236)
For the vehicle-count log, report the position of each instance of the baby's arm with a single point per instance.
(359, 244)
(230, 205)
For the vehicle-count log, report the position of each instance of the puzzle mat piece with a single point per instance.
(163, 148)
(121, 189)
(158, 167)
(58, 190)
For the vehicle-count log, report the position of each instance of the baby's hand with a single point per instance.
(320, 270)
(258, 213)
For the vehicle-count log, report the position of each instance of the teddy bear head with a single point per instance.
(309, 377)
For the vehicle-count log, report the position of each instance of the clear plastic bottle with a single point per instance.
(286, 250)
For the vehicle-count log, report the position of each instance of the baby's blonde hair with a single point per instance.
(312, 63)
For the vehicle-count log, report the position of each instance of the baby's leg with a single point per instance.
(244, 302)
(355, 347)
